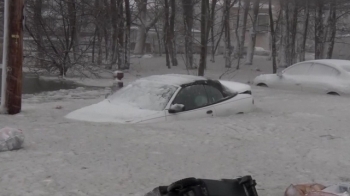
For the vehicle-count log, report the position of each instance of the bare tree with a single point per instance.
(293, 33)
(253, 32)
(171, 35)
(240, 48)
(99, 31)
(238, 42)
(211, 26)
(228, 47)
(114, 15)
(166, 32)
(332, 26)
(305, 30)
(319, 30)
(127, 35)
(37, 32)
(204, 38)
(273, 39)
(55, 35)
(188, 24)
(144, 26)
(121, 35)
(284, 34)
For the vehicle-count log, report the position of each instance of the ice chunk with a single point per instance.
(11, 139)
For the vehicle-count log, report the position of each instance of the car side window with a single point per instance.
(192, 97)
(299, 69)
(323, 70)
(214, 94)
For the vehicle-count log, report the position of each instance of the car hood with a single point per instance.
(236, 86)
(105, 111)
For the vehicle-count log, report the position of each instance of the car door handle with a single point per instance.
(209, 111)
(298, 84)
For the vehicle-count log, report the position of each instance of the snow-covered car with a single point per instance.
(169, 97)
(326, 76)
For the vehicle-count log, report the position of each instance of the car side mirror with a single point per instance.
(279, 74)
(175, 108)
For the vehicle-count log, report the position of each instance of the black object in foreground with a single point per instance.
(244, 186)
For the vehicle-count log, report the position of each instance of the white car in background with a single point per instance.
(169, 97)
(326, 76)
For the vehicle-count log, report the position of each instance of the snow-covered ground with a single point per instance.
(292, 137)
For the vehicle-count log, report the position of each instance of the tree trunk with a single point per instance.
(326, 28)
(228, 51)
(188, 23)
(98, 31)
(333, 28)
(126, 64)
(94, 46)
(212, 24)
(37, 23)
(106, 31)
(141, 33)
(251, 47)
(284, 35)
(73, 26)
(204, 39)
(293, 34)
(273, 39)
(305, 31)
(319, 31)
(143, 27)
(99, 45)
(287, 46)
(166, 33)
(114, 17)
(240, 49)
(171, 35)
(63, 70)
(72, 14)
(159, 41)
(120, 43)
(238, 42)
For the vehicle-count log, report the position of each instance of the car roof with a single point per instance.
(174, 79)
(336, 63)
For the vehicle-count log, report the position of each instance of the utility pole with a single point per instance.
(15, 57)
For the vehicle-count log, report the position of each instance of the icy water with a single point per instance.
(33, 84)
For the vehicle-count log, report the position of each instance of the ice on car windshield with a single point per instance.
(144, 94)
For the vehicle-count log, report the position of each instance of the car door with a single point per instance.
(228, 104)
(321, 79)
(195, 100)
(293, 76)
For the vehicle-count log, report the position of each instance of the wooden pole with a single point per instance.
(15, 58)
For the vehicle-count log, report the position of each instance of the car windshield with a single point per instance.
(144, 95)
